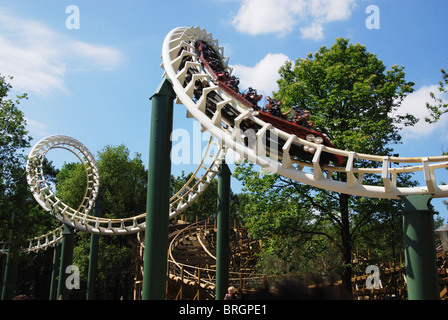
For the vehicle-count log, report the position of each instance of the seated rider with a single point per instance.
(233, 83)
(253, 97)
(273, 107)
(302, 119)
(199, 85)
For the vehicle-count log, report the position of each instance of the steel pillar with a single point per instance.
(12, 264)
(55, 271)
(419, 248)
(93, 258)
(68, 242)
(158, 196)
(223, 237)
(10, 276)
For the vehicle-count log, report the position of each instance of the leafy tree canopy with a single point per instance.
(351, 96)
(353, 99)
(439, 105)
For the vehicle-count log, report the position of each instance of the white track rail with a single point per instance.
(79, 218)
(42, 242)
(47, 240)
(183, 66)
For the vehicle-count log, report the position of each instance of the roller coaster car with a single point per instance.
(229, 84)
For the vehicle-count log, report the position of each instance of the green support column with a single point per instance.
(93, 259)
(12, 263)
(223, 237)
(158, 197)
(2, 273)
(68, 242)
(9, 282)
(55, 271)
(419, 247)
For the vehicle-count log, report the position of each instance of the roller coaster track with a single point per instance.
(225, 120)
(192, 261)
(79, 218)
(228, 118)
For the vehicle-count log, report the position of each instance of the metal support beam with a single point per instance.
(12, 263)
(158, 197)
(68, 242)
(223, 237)
(419, 247)
(93, 259)
(10, 277)
(55, 271)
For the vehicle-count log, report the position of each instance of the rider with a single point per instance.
(253, 97)
(302, 120)
(273, 107)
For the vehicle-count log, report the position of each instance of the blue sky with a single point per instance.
(94, 83)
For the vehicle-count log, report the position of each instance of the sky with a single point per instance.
(89, 67)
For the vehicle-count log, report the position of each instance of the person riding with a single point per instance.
(252, 96)
(274, 108)
(302, 120)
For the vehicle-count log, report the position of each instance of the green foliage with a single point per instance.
(71, 184)
(13, 134)
(123, 182)
(440, 105)
(13, 140)
(352, 98)
(20, 217)
(205, 206)
(350, 94)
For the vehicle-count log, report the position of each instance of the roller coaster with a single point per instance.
(237, 123)
(270, 147)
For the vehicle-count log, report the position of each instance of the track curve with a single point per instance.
(224, 117)
(79, 218)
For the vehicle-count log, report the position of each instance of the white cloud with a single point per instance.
(281, 16)
(267, 16)
(331, 10)
(415, 104)
(314, 31)
(37, 128)
(263, 76)
(39, 58)
(94, 56)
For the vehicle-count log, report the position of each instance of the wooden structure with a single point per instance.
(191, 268)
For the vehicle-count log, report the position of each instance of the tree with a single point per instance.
(13, 140)
(439, 106)
(123, 182)
(352, 99)
(71, 184)
(205, 207)
(21, 218)
(122, 193)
